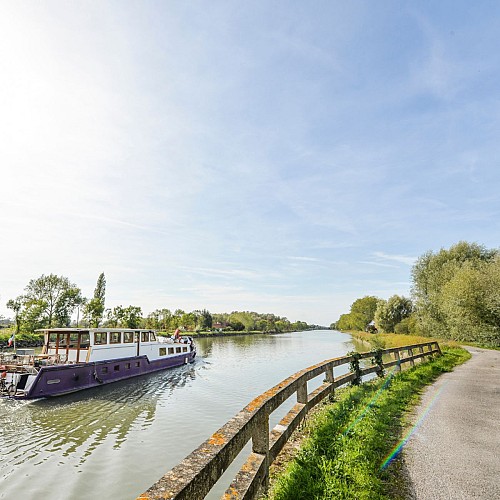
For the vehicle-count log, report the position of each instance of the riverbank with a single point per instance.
(345, 449)
(36, 340)
(230, 333)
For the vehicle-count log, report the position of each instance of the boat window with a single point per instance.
(104, 369)
(178, 349)
(73, 340)
(115, 337)
(128, 337)
(85, 341)
(100, 338)
(117, 368)
(152, 336)
(127, 366)
(136, 336)
(163, 351)
(144, 336)
(138, 364)
(170, 350)
(184, 349)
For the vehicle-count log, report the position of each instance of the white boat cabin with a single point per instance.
(72, 345)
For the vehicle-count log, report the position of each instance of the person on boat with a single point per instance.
(177, 335)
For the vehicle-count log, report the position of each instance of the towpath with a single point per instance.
(455, 452)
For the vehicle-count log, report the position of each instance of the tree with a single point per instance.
(153, 320)
(451, 290)
(471, 303)
(205, 320)
(362, 312)
(115, 316)
(94, 308)
(246, 318)
(365, 309)
(132, 317)
(16, 305)
(188, 321)
(391, 312)
(49, 301)
(124, 317)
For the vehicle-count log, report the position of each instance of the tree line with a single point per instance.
(455, 295)
(51, 301)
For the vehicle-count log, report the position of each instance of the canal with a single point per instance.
(116, 441)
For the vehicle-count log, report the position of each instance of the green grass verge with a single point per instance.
(349, 439)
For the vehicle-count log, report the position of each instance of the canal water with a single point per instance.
(118, 440)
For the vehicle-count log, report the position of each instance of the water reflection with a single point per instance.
(72, 427)
(69, 422)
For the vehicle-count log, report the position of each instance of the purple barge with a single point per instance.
(74, 359)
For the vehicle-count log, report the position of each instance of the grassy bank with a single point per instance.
(346, 442)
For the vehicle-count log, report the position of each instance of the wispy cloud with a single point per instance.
(403, 259)
(377, 264)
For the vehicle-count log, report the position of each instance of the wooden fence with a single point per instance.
(194, 477)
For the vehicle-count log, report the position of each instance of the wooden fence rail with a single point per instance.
(194, 477)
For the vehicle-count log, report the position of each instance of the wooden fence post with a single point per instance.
(438, 348)
(330, 378)
(398, 359)
(260, 444)
(329, 374)
(302, 393)
(410, 354)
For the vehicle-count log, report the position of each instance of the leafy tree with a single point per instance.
(455, 292)
(153, 320)
(115, 317)
(16, 306)
(132, 317)
(205, 320)
(245, 318)
(94, 308)
(49, 301)
(407, 325)
(365, 309)
(237, 326)
(471, 303)
(361, 313)
(188, 321)
(299, 326)
(391, 312)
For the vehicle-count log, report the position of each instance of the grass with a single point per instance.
(347, 441)
(393, 340)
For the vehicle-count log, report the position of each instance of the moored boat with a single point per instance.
(75, 359)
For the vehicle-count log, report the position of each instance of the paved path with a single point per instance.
(455, 452)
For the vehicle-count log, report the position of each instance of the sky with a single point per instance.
(281, 157)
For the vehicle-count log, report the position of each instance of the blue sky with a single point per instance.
(284, 157)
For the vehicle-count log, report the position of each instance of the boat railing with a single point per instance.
(22, 362)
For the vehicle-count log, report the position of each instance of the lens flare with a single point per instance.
(397, 449)
(372, 401)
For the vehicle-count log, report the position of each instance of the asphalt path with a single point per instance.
(454, 453)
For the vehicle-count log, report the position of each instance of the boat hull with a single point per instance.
(64, 379)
